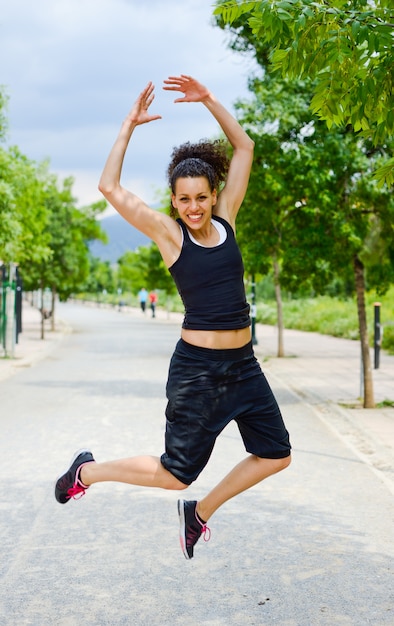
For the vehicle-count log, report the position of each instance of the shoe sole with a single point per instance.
(182, 528)
(75, 455)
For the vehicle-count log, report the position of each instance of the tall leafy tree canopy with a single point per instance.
(23, 214)
(69, 229)
(345, 46)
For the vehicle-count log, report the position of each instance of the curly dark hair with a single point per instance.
(205, 158)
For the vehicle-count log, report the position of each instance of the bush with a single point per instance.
(388, 339)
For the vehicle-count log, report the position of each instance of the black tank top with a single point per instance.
(210, 283)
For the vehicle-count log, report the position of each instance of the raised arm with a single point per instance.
(232, 195)
(130, 206)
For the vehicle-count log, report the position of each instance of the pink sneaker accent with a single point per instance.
(77, 491)
(206, 532)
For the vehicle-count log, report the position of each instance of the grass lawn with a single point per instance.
(332, 316)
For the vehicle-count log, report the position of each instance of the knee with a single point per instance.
(173, 484)
(178, 486)
(273, 466)
(283, 463)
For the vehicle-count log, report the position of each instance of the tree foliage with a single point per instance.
(42, 230)
(101, 277)
(144, 268)
(311, 207)
(346, 47)
(23, 214)
(69, 230)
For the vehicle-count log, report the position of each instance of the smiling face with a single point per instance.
(194, 199)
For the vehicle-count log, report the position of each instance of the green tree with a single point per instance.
(130, 273)
(329, 225)
(276, 120)
(42, 231)
(101, 277)
(356, 216)
(144, 267)
(23, 212)
(310, 208)
(68, 230)
(346, 47)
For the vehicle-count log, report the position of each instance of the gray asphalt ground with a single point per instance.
(313, 545)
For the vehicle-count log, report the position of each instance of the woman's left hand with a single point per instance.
(193, 90)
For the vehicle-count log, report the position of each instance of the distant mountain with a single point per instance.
(121, 237)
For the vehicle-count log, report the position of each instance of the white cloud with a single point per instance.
(73, 69)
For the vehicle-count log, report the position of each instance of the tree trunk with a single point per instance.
(53, 302)
(369, 401)
(279, 308)
(42, 313)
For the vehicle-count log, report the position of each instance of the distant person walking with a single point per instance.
(153, 301)
(214, 376)
(142, 298)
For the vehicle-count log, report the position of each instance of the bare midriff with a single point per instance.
(217, 339)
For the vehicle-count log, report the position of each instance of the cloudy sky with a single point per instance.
(73, 68)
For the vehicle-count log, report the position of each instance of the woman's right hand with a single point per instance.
(139, 114)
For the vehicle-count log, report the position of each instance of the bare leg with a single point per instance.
(247, 473)
(145, 471)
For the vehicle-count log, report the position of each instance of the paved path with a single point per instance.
(311, 546)
(324, 371)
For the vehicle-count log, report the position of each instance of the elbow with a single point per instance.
(102, 186)
(102, 189)
(105, 188)
(247, 146)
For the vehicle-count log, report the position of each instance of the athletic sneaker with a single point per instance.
(191, 527)
(69, 485)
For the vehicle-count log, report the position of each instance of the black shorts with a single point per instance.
(206, 389)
